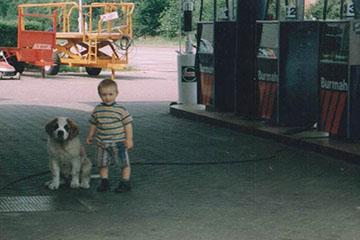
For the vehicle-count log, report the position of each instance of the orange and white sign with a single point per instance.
(42, 46)
(109, 16)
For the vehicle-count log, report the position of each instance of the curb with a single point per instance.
(309, 139)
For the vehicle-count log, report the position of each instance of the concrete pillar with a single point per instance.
(245, 91)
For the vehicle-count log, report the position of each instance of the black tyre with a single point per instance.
(93, 71)
(19, 66)
(53, 70)
(173, 103)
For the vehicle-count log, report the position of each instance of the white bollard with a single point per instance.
(187, 86)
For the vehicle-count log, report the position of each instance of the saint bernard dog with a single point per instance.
(66, 155)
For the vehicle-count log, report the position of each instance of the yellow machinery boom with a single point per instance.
(101, 39)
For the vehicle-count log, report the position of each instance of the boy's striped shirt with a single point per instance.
(110, 121)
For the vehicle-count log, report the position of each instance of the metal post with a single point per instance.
(227, 9)
(230, 7)
(80, 19)
(180, 12)
(277, 17)
(300, 10)
(325, 9)
(42, 68)
(215, 10)
(341, 9)
(357, 8)
(262, 9)
(267, 9)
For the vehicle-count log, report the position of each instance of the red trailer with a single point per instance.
(34, 47)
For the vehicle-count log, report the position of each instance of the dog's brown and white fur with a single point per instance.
(66, 154)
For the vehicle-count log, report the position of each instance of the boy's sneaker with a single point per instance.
(123, 187)
(104, 185)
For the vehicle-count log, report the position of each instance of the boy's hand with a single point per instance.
(129, 136)
(129, 144)
(89, 140)
(91, 134)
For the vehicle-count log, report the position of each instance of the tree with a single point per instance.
(169, 23)
(150, 17)
(146, 17)
(169, 18)
(316, 10)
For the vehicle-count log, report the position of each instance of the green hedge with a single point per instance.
(8, 33)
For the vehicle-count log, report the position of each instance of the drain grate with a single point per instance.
(27, 204)
(42, 203)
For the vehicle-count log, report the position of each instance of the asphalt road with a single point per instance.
(191, 180)
(153, 77)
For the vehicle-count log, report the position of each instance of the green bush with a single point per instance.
(169, 17)
(169, 23)
(146, 17)
(8, 33)
(150, 17)
(333, 10)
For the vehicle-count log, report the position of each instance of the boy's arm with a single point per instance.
(129, 136)
(91, 134)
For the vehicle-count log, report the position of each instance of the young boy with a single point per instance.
(114, 136)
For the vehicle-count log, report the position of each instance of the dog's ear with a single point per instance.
(74, 129)
(49, 126)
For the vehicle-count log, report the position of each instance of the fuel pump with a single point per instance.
(187, 87)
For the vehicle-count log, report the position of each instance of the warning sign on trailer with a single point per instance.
(42, 46)
(109, 16)
(188, 74)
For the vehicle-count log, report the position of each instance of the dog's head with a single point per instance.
(62, 129)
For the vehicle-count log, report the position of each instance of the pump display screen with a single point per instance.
(335, 42)
(268, 34)
(206, 47)
(269, 40)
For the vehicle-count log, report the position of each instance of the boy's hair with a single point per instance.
(107, 83)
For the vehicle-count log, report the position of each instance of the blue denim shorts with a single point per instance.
(114, 153)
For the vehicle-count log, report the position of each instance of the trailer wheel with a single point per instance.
(19, 66)
(53, 70)
(93, 71)
(17, 76)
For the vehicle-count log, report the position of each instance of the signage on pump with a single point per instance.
(290, 12)
(188, 74)
(349, 10)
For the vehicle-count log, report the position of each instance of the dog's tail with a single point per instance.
(85, 161)
(82, 152)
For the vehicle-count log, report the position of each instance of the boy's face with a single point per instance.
(108, 95)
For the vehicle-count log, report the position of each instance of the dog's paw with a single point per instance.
(85, 185)
(75, 184)
(53, 185)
